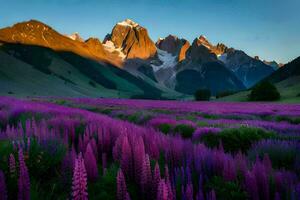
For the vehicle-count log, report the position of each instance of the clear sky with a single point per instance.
(268, 28)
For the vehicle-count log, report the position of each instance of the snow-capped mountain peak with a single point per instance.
(75, 36)
(128, 22)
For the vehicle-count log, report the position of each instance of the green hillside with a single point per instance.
(289, 90)
(37, 71)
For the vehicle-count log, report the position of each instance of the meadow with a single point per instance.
(84, 148)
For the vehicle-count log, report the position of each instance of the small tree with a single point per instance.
(202, 95)
(264, 91)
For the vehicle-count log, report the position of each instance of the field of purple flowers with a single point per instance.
(148, 150)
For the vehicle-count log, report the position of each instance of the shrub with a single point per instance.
(226, 190)
(186, 131)
(202, 95)
(234, 140)
(264, 91)
(292, 120)
(224, 94)
(283, 154)
(92, 84)
(164, 128)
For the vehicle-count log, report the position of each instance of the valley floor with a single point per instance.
(88, 148)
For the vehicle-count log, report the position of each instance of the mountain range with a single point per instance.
(37, 60)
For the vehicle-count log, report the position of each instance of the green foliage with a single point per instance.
(292, 120)
(105, 187)
(282, 157)
(202, 95)
(226, 190)
(92, 84)
(165, 128)
(210, 116)
(5, 149)
(234, 140)
(45, 158)
(264, 91)
(224, 94)
(52, 188)
(186, 131)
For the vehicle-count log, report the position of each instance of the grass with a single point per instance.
(288, 89)
(236, 139)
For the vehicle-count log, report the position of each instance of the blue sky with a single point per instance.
(268, 28)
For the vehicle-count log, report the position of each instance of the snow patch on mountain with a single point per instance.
(167, 59)
(222, 57)
(128, 22)
(75, 36)
(110, 47)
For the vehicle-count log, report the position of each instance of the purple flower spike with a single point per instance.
(121, 187)
(162, 191)
(12, 165)
(79, 185)
(90, 163)
(23, 182)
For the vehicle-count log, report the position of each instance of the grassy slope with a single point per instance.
(43, 72)
(289, 89)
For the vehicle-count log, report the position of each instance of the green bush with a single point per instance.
(202, 95)
(224, 94)
(226, 190)
(239, 139)
(105, 186)
(186, 131)
(165, 128)
(292, 120)
(264, 91)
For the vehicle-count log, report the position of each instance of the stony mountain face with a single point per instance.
(186, 68)
(36, 33)
(273, 64)
(76, 36)
(132, 39)
(217, 49)
(286, 71)
(172, 64)
(249, 70)
(182, 53)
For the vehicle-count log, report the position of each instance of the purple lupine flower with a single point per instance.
(3, 192)
(171, 195)
(121, 186)
(12, 165)
(68, 163)
(156, 179)
(261, 179)
(277, 196)
(138, 158)
(90, 163)
(189, 192)
(23, 182)
(79, 181)
(199, 132)
(162, 191)
(251, 186)
(126, 158)
(267, 163)
(146, 176)
(200, 195)
(211, 195)
(229, 170)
